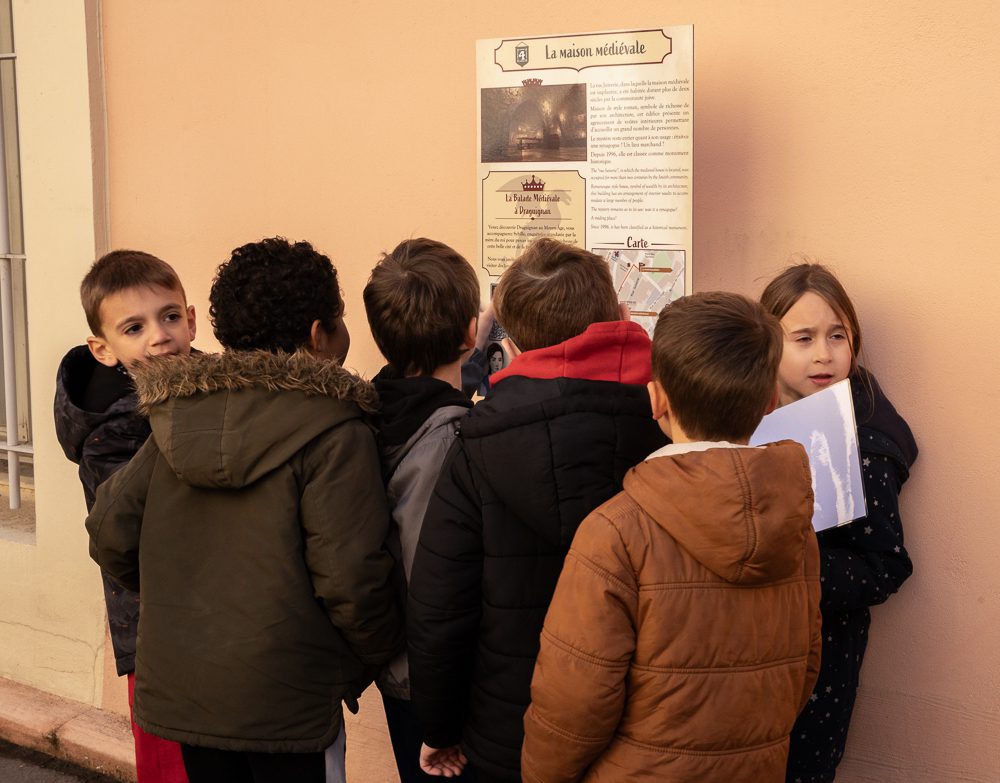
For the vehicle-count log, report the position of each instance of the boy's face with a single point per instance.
(142, 322)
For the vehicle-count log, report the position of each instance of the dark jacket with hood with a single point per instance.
(100, 430)
(554, 440)
(254, 519)
(418, 421)
(862, 564)
(684, 634)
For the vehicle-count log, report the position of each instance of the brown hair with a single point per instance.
(787, 288)
(419, 301)
(117, 271)
(553, 292)
(716, 355)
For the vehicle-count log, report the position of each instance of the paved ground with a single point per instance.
(17, 525)
(369, 754)
(18, 765)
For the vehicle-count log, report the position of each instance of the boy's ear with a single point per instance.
(658, 399)
(775, 396)
(664, 416)
(192, 325)
(317, 338)
(471, 334)
(99, 350)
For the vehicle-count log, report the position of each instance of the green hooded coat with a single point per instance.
(252, 522)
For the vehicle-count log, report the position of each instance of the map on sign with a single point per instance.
(646, 280)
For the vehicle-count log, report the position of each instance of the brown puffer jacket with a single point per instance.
(684, 635)
(253, 519)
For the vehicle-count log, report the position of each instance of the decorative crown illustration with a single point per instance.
(531, 82)
(534, 184)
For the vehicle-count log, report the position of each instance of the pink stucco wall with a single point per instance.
(865, 134)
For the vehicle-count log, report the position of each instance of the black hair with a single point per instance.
(269, 293)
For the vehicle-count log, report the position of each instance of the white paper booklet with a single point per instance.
(824, 424)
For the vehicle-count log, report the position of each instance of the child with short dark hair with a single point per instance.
(254, 519)
(136, 308)
(552, 441)
(118, 273)
(683, 636)
(422, 301)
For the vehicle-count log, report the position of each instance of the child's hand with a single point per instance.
(442, 762)
(484, 327)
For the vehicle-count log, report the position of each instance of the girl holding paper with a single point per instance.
(864, 562)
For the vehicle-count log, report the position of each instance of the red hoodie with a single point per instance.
(607, 351)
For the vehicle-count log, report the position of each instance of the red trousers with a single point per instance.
(156, 760)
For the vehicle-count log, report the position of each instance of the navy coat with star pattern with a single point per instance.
(861, 565)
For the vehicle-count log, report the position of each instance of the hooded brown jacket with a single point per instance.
(254, 520)
(684, 635)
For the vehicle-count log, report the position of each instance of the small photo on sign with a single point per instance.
(496, 356)
(534, 122)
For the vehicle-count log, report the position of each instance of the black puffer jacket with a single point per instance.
(101, 442)
(532, 461)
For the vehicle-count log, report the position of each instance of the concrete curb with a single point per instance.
(68, 730)
(102, 741)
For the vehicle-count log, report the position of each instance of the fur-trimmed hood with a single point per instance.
(225, 420)
(159, 379)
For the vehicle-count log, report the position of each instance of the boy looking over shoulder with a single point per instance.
(136, 308)
(422, 301)
(552, 441)
(684, 634)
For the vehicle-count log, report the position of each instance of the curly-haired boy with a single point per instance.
(254, 518)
